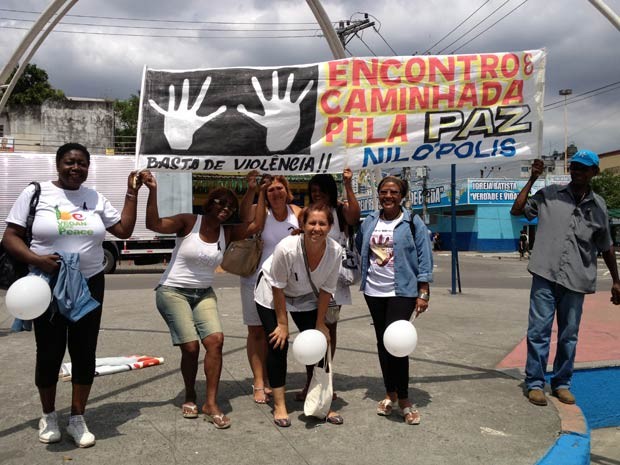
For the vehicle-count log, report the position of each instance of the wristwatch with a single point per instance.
(424, 296)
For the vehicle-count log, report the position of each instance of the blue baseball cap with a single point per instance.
(585, 157)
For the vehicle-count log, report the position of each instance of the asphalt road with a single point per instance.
(482, 272)
(477, 271)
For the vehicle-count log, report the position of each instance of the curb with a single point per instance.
(573, 445)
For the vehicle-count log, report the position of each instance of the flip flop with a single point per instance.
(265, 398)
(282, 422)
(335, 419)
(384, 408)
(219, 420)
(189, 410)
(411, 415)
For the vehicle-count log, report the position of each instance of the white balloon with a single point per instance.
(309, 347)
(28, 297)
(400, 338)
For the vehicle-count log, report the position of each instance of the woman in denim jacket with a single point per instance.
(397, 267)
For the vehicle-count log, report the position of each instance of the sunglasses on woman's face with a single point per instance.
(225, 205)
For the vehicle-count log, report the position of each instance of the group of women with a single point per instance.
(297, 275)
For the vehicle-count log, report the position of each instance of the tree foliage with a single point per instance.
(126, 123)
(607, 185)
(33, 88)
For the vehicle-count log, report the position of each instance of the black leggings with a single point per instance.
(53, 335)
(384, 311)
(276, 358)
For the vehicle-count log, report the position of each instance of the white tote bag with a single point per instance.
(319, 396)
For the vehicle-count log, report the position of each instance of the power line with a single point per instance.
(377, 29)
(500, 19)
(474, 27)
(603, 119)
(583, 96)
(362, 40)
(459, 25)
(158, 20)
(173, 37)
(64, 23)
(386, 43)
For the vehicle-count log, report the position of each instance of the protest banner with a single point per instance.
(361, 113)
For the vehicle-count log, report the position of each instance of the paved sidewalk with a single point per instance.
(471, 413)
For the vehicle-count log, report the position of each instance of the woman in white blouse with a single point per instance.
(285, 283)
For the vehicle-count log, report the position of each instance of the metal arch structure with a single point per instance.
(606, 11)
(57, 9)
(21, 67)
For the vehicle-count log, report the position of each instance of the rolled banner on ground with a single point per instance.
(112, 365)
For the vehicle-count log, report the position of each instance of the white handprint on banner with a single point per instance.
(181, 124)
(282, 116)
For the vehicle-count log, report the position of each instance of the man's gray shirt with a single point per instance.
(568, 237)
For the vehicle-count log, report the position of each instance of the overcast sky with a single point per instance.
(583, 47)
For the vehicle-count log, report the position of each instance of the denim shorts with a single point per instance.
(191, 314)
(248, 306)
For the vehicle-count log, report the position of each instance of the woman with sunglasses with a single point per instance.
(184, 296)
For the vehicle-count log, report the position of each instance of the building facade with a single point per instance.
(43, 128)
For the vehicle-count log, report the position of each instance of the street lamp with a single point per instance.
(565, 93)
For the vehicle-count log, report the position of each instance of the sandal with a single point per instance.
(334, 419)
(282, 422)
(265, 397)
(219, 420)
(384, 408)
(189, 410)
(411, 415)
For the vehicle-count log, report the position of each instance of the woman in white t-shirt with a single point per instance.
(285, 283)
(397, 269)
(185, 297)
(322, 188)
(69, 218)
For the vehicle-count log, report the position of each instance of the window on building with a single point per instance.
(1, 130)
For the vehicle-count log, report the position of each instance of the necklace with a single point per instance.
(579, 197)
(280, 216)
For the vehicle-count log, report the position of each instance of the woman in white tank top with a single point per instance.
(280, 221)
(185, 298)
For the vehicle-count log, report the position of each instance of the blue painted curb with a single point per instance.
(569, 449)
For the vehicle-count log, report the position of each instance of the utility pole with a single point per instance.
(406, 175)
(565, 93)
(422, 172)
(346, 30)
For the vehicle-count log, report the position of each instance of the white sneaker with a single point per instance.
(78, 430)
(49, 431)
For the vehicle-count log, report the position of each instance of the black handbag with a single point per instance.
(10, 268)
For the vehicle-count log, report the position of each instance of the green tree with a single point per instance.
(607, 185)
(126, 124)
(33, 88)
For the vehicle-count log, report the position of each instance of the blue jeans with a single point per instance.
(545, 298)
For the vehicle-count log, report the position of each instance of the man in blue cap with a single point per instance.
(573, 227)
